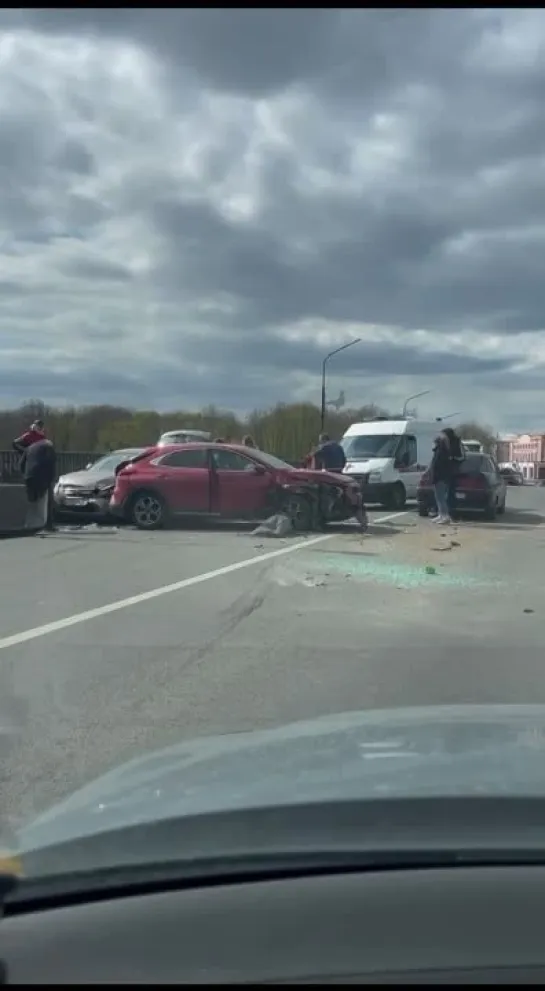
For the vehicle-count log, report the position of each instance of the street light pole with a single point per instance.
(416, 396)
(350, 344)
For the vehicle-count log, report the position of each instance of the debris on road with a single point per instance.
(85, 528)
(430, 570)
(278, 525)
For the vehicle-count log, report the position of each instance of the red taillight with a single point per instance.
(472, 482)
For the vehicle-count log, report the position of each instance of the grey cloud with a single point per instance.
(459, 162)
(269, 351)
(96, 269)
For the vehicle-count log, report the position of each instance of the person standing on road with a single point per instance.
(456, 452)
(441, 471)
(39, 468)
(329, 455)
(35, 433)
(248, 441)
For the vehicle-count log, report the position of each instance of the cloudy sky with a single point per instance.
(197, 205)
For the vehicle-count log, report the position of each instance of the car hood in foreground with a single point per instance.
(436, 751)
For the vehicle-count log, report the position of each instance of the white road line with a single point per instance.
(155, 593)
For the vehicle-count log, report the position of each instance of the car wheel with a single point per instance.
(491, 511)
(397, 497)
(147, 510)
(299, 510)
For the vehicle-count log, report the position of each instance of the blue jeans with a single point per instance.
(441, 498)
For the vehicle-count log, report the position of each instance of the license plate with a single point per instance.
(460, 495)
(76, 502)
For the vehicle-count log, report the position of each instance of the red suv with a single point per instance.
(228, 481)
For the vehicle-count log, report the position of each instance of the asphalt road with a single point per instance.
(116, 643)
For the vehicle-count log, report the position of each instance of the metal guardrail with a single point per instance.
(66, 461)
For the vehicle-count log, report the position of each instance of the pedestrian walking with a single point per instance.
(441, 470)
(39, 468)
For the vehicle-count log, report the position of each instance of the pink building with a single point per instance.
(527, 450)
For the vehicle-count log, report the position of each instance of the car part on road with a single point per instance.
(147, 510)
(298, 508)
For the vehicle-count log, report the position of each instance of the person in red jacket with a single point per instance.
(24, 443)
(31, 436)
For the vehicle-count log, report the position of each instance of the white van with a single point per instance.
(472, 446)
(389, 457)
(183, 436)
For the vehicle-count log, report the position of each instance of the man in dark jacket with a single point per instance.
(39, 469)
(329, 455)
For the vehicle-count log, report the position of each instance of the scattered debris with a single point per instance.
(430, 570)
(84, 528)
(528, 610)
(278, 525)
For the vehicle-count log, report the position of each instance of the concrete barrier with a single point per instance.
(13, 511)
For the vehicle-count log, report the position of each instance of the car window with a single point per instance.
(406, 452)
(192, 457)
(231, 461)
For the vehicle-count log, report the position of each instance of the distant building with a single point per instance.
(527, 451)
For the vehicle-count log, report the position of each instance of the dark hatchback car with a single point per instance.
(480, 487)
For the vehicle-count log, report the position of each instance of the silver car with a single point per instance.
(183, 436)
(88, 491)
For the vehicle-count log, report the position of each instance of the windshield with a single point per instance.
(370, 445)
(292, 230)
(109, 463)
(271, 460)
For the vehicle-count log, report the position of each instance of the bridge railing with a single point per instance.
(66, 461)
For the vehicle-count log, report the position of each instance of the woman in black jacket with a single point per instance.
(441, 470)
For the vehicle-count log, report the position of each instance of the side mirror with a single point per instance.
(260, 470)
(89, 465)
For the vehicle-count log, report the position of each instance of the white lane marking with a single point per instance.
(155, 593)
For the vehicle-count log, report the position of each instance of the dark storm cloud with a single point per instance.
(397, 180)
(267, 351)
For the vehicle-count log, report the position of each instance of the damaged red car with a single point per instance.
(228, 481)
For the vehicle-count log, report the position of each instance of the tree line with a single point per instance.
(287, 430)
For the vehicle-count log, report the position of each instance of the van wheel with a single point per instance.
(147, 510)
(397, 497)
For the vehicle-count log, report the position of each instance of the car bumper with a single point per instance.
(464, 501)
(82, 506)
